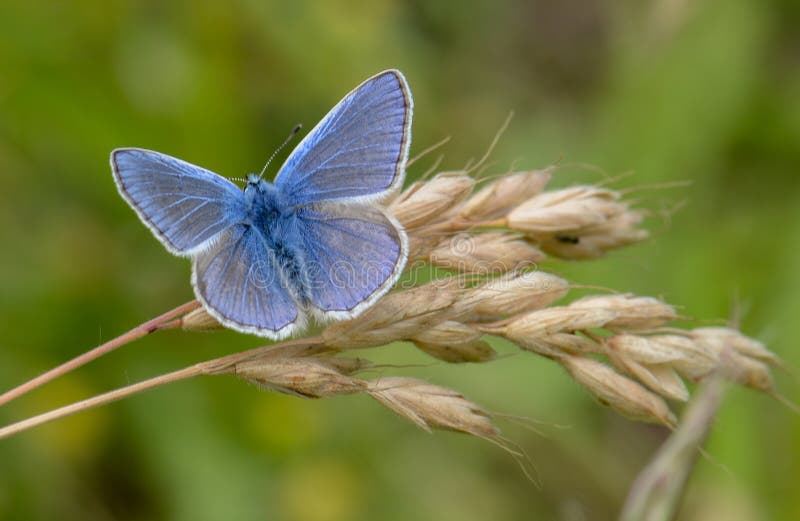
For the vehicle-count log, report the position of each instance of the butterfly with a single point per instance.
(315, 243)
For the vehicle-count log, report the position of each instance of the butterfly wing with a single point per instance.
(352, 254)
(239, 281)
(184, 205)
(359, 149)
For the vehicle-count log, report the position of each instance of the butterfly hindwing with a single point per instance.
(352, 254)
(184, 205)
(358, 150)
(240, 281)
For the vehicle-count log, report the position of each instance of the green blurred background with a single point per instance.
(672, 90)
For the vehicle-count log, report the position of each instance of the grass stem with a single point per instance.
(165, 321)
(222, 365)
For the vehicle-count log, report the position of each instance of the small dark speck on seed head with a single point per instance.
(568, 239)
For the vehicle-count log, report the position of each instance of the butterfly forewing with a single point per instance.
(184, 205)
(358, 150)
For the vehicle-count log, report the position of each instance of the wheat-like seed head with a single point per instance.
(486, 253)
(618, 392)
(454, 342)
(432, 406)
(631, 311)
(619, 347)
(498, 198)
(309, 377)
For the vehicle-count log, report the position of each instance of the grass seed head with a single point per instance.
(535, 331)
(594, 241)
(513, 293)
(618, 392)
(306, 377)
(426, 202)
(421, 242)
(657, 349)
(632, 311)
(747, 371)
(397, 316)
(488, 253)
(199, 320)
(559, 319)
(454, 342)
(694, 361)
(732, 349)
(720, 337)
(432, 407)
(498, 197)
(565, 210)
(570, 343)
(660, 378)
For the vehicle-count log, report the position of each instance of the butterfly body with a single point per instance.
(274, 223)
(313, 243)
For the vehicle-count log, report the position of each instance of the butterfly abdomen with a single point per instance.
(290, 260)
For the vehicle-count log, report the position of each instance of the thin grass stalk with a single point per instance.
(164, 321)
(222, 365)
(657, 491)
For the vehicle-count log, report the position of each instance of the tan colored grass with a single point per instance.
(492, 238)
(619, 347)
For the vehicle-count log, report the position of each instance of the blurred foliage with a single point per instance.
(671, 90)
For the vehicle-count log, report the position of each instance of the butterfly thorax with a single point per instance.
(264, 203)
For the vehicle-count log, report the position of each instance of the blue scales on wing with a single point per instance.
(359, 148)
(184, 205)
(353, 255)
(240, 281)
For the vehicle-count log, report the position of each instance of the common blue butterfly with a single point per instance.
(316, 242)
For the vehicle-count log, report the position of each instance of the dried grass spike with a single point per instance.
(433, 407)
(199, 320)
(720, 337)
(486, 254)
(594, 241)
(558, 319)
(695, 361)
(514, 293)
(659, 349)
(618, 392)
(532, 331)
(425, 202)
(571, 343)
(306, 377)
(498, 197)
(565, 210)
(632, 311)
(454, 342)
(658, 377)
(397, 316)
(730, 347)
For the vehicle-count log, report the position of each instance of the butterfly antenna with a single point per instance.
(294, 132)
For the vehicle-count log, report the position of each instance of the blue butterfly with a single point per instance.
(314, 243)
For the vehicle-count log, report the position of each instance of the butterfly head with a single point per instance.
(253, 180)
(256, 185)
(258, 188)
